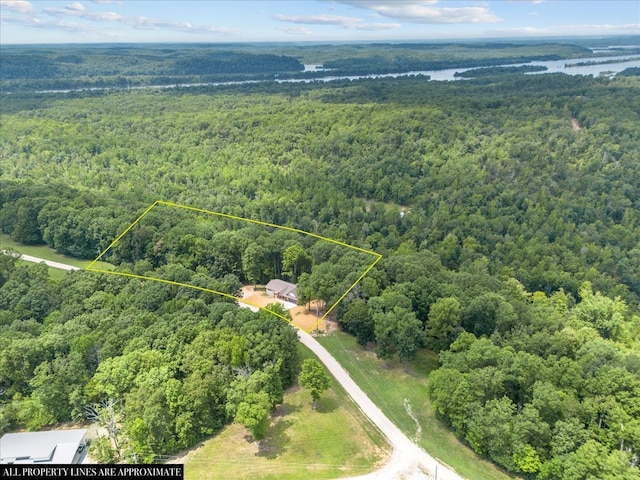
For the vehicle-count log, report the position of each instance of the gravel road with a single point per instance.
(61, 266)
(408, 461)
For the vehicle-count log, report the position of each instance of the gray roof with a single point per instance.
(282, 288)
(53, 446)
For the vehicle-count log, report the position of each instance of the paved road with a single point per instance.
(408, 461)
(61, 266)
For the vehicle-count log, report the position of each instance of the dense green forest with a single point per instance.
(507, 210)
(128, 65)
(168, 365)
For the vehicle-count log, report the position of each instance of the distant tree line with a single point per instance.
(490, 71)
(23, 69)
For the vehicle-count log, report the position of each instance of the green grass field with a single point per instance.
(334, 441)
(396, 391)
(54, 273)
(46, 253)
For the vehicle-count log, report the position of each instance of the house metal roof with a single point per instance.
(53, 446)
(282, 288)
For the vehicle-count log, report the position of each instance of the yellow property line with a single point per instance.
(91, 268)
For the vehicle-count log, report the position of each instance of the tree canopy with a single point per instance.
(506, 209)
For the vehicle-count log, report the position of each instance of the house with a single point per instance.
(283, 290)
(55, 446)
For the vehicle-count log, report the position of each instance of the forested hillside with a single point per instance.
(27, 68)
(124, 66)
(507, 211)
(536, 177)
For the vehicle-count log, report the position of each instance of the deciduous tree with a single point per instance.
(313, 378)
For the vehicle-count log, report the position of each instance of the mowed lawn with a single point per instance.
(334, 441)
(402, 394)
(54, 273)
(46, 253)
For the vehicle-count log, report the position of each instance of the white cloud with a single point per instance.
(35, 22)
(377, 26)
(521, 31)
(427, 14)
(77, 10)
(372, 4)
(139, 22)
(578, 30)
(342, 21)
(76, 17)
(425, 11)
(350, 23)
(75, 7)
(629, 28)
(317, 19)
(296, 30)
(18, 6)
(26, 15)
(146, 23)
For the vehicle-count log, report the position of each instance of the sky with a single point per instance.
(97, 21)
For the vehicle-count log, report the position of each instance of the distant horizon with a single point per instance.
(310, 21)
(632, 37)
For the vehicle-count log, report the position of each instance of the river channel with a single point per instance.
(566, 66)
(553, 66)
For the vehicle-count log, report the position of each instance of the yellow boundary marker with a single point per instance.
(91, 267)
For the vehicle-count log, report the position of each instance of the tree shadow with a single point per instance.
(284, 410)
(277, 440)
(326, 405)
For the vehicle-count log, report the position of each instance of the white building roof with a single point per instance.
(54, 446)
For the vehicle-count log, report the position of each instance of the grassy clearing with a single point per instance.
(334, 441)
(46, 253)
(391, 388)
(54, 273)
